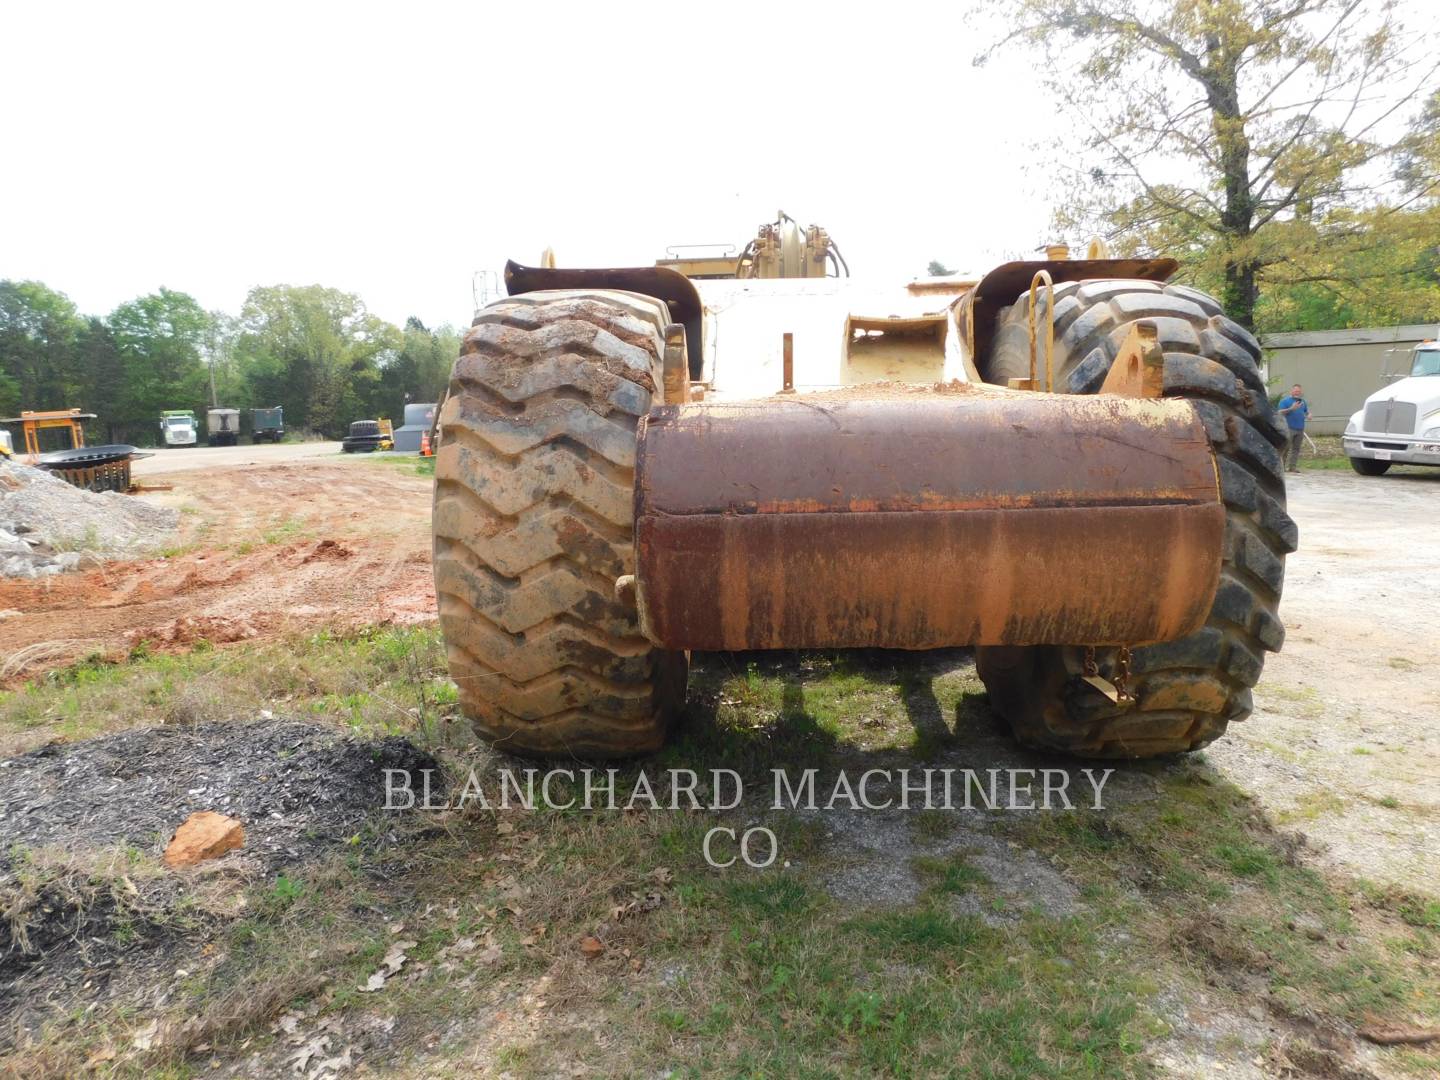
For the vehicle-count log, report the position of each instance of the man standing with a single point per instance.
(1296, 410)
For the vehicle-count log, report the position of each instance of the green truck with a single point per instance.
(267, 425)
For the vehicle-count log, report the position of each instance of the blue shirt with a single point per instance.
(1295, 419)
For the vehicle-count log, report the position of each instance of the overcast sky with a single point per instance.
(393, 149)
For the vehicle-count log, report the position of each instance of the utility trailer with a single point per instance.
(222, 427)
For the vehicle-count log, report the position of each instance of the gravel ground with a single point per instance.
(48, 526)
(294, 786)
(1344, 744)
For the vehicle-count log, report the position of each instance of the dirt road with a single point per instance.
(218, 457)
(263, 549)
(1345, 743)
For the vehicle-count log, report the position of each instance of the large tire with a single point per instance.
(1185, 692)
(1369, 466)
(533, 523)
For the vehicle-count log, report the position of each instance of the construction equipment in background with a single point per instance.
(32, 422)
(7, 445)
(367, 436)
(267, 425)
(426, 447)
(418, 419)
(1068, 464)
(177, 428)
(94, 468)
(222, 427)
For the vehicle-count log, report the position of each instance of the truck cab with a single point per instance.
(1401, 423)
(177, 427)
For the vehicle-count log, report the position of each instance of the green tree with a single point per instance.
(39, 328)
(317, 351)
(159, 337)
(218, 354)
(420, 371)
(1419, 167)
(938, 269)
(100, 379)
(1241, 134)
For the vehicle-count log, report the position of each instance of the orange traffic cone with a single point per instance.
(425, 445)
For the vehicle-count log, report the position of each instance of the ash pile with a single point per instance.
(48, 526)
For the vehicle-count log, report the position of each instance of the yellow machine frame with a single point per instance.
(33, 422)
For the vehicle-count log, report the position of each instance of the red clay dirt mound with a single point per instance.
(250, 567)
(328, 551)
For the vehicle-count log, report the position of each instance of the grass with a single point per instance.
(375, 682)
(1329, 455)
(732, 972)
(83, 543)
(1321, 946)
(409, 463)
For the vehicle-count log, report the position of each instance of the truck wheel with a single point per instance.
(534, 522)
(1185, 691)
(1369, 466)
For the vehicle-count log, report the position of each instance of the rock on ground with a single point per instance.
(204, 835)
(48, 526)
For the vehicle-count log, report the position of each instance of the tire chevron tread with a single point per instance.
(533, 521)
(1186, 691)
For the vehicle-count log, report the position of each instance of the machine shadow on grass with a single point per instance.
(765, 710)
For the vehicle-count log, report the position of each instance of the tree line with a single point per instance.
(316, 351)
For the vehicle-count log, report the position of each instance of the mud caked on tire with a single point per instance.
(533, 523)
(1184, 692)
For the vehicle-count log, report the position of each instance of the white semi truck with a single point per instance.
(177, 427)
(1401, 423)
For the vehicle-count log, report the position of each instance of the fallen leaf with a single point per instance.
(491, 955)
(592, 947)
(99, 1058)
(333, 1065)
(395, 958)
(504, 829)
(661, 875)
(320, 1044)
(375, 982)
(144, 1038)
